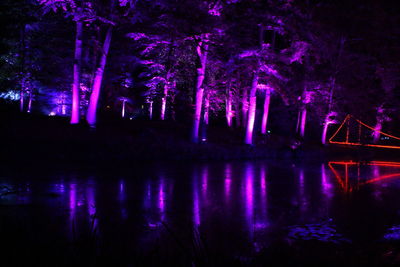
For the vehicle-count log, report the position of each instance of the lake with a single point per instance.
(201, 214)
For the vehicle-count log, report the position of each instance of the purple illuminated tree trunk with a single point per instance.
(252, 109)
(164, 103)
(327, 120)
(22, 74)
(164, 98)
(30, 101)
(202, 53)
(378, 126)
(266, 111)
(94, 97)
(303, 119)
(150, 110)
(205, 117)
(123, 108)
(75, 114)
(237, 109)
(21, 100)
(303, 113)
(229, 113)
(245, 106)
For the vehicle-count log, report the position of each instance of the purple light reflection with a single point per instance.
(263, 189)
(228, 181)
(302, 196)
(249, 198)
(91, 203)
(326, 186)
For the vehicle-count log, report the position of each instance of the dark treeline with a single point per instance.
(286, 66)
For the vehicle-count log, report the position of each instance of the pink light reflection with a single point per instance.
(228, 181)
(196, 201)
(161, 198)
(326, 186)
(249, 197)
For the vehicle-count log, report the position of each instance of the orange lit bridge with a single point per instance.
(353, 132)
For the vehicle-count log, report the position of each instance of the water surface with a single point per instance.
(202, 214)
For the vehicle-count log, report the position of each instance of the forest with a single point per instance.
(258, 67)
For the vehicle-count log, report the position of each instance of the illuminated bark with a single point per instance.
(94, 97)
(327, 119)
(324, 132)
(229, 113)
(123, 108)
(30, 101)
(77, 67)
(378, 126)
(21, 100)
(303, 119)
(252, 110)
(205, 117)
(245, 106)
(151, 110)
(164, 98)
(202, 53)
(306, 98)
(266, 111)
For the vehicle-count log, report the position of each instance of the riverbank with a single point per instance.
(34, 138)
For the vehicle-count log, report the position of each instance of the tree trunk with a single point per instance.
(266, 111)
(252, 110)
(22, 74)
(324, 132)
(303, 119)
(30, 100)
(123, 108)
(75, 112)
(378, 126)
(21, 100)
(151, 110)
(245, 106)
(205, 117)
(202, 53)
(229, 113)
(94, 97)
(164, 98)
(237, 109)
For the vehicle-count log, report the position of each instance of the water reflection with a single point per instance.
(232, 206)
(351, 175)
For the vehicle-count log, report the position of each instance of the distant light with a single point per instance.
(52, 113)
(268, 131)
(204, 139)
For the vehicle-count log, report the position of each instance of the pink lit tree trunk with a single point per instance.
(229, 112)
(22, 74)
(30, 100)
(75, 112)
(252, 110)
(164, 103)
(164, 98)
(303, 119)
(123, 108)
(202, 53)
(266, 111)
(205, 117)
(306, 98)
(94, 97)
(245, 106)
(378, 126)
(237, 109)
(21, 100)
(328, 118)
(150, 110)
